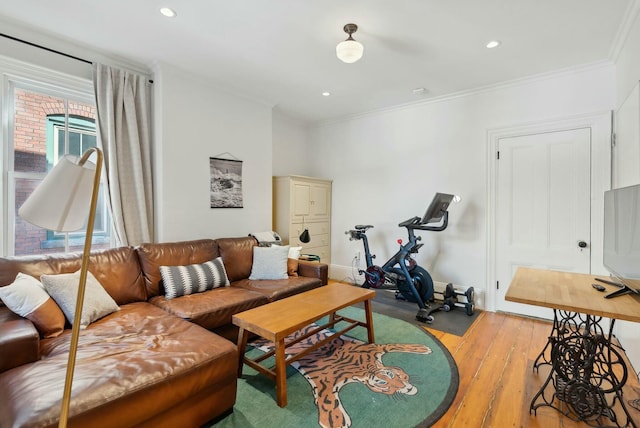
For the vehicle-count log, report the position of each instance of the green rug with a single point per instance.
(406, 379)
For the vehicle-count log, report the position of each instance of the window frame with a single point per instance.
(23, 76)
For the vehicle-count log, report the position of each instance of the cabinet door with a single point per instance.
(320, 203)
(301, 199)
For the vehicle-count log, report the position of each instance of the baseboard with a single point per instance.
(345, 274)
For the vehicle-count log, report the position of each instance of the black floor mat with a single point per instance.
(456, 321)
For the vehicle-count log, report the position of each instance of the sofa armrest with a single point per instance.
(314, 270)
(19, 341)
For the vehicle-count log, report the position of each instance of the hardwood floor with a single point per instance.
(495, 362)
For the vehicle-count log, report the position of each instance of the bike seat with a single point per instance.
(363, 226)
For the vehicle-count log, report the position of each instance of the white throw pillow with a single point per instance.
(292, 261)
(64, 290)
(27, 297)
(294, 252)
(270, 262)
(24, 295)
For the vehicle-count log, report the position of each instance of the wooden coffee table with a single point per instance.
(275, 321)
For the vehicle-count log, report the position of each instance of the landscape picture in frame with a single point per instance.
(226, 183)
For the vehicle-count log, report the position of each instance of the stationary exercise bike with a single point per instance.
(401, 272)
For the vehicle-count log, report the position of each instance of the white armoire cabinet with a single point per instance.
(300, 202)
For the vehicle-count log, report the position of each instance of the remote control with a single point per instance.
(598, 287)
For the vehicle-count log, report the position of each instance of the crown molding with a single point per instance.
(630, 17)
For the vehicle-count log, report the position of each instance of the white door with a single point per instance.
(542, 208)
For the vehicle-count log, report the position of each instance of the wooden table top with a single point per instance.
(278, 319)
(571, 292)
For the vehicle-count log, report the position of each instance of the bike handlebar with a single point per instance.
(439, 228)
(410, 222)
(414, 223)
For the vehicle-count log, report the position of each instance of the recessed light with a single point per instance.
(168, 12)
(326, 94)
(493, 44)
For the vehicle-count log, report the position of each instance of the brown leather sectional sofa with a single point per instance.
(155, 362)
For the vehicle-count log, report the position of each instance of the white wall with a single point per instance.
(290, 148)
(628, 61)
(627, 173)
(626, 154)
(194, 121)
(387, 166)
(53, 61)
(46, 60)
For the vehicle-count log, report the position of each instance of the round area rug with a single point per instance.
(406, 379)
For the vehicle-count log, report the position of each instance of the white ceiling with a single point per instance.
(282, 52)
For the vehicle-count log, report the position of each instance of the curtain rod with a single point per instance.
(46, 48)
(35, 45)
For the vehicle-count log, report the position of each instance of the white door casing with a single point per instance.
(545, 196)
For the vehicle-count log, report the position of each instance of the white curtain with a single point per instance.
(123, 102)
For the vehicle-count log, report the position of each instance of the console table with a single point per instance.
(587, 370)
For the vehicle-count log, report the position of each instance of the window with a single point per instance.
(46, 124)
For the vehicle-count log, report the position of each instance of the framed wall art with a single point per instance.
(226, 183)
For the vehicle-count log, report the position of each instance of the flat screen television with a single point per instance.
(438, 206)
(622, 237)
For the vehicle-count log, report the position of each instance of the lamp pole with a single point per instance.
(75, 330)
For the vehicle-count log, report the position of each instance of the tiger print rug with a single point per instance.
(406, 379)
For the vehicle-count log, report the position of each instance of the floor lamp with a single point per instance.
(61, 203)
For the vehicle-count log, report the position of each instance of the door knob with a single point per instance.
(582, 244)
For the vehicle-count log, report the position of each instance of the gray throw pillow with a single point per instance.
(270, 262)
(64, 290)
(182, 280)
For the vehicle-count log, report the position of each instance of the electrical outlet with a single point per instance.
(356, 257)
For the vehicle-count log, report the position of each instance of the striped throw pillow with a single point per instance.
(182, 280)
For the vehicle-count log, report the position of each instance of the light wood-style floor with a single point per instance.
(495, 362)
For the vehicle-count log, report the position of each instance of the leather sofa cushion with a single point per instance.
(152, 256)
(213, 308)
(314, 270)
(117, 270)
(279, 288)
(19, 341)
(237, 254)
(129, 364)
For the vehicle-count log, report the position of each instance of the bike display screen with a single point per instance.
(437, 208)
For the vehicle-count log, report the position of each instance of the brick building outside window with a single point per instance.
(45, 128)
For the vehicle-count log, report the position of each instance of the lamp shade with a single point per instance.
(349, 51)
(62, 201)
(304, 236)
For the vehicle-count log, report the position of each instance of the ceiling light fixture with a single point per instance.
(349, 51)
(168, 12)
(326, 94)
(493, 44)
